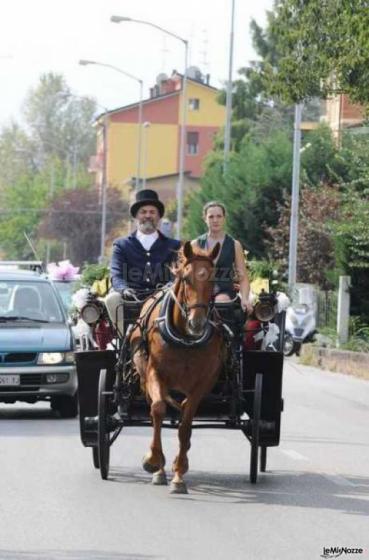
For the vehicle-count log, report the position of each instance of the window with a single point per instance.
(35, 300)
(194, 104)
(192, 143)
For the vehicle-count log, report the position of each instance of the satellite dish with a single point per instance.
(194, 73)
(161, 78)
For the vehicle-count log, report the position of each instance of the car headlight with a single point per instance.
(91, 313)
(50, 358)
(264, 311)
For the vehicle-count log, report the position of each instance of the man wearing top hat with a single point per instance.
(140, 262)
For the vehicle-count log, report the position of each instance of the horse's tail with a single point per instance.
(173, 403)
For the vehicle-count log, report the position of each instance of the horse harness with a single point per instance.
(167, 299)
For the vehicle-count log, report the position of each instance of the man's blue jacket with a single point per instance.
(134, 267)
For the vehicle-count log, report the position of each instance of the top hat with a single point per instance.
(146, 197)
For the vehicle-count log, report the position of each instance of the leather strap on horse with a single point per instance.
(173, 338)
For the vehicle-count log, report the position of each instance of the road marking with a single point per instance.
(332, 477)
(294, 455)
(338, 479)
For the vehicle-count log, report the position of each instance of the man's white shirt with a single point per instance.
(147, 239)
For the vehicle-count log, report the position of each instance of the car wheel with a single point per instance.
(66, 405)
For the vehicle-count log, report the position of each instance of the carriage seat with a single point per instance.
(121, 312)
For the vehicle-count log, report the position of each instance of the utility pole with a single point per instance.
(294, 222)
(228, 127)
(51, 194)
(343, 310)
(104, 189)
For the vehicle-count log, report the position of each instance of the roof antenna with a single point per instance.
(204, 51)
(39, 261)
(164, 52)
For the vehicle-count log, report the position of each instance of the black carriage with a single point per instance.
(247, 396)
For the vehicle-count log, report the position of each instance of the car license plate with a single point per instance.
(9, 380)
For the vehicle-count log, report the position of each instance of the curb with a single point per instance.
(342, 361)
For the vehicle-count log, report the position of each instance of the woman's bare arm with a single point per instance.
(242, 276)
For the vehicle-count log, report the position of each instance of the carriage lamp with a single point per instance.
(265, 309)
(91, 313)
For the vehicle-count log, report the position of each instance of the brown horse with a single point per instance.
(191, 370)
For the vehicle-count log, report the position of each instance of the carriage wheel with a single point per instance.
(95, 457)
(263, 458)
(255, 428)
(102, 431)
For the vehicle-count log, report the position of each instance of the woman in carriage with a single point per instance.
(230, 263)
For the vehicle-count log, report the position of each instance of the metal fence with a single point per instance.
(327, 309)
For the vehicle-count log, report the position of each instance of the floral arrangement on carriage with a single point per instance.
(264, 330)
(93, 329)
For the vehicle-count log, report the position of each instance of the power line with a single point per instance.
(48, 211)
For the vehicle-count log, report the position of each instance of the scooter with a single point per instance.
(300, 319)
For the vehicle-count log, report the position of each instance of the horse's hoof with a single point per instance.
(150, 467)
(159, 479)
(178, 488)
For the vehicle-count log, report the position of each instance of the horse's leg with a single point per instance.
(154, 461)
(180, 464)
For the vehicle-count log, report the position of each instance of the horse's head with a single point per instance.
(195, 273)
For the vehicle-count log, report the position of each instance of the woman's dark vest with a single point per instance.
(224, 268)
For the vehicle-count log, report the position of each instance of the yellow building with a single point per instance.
(160, 141)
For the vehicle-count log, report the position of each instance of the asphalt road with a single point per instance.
(315, 493)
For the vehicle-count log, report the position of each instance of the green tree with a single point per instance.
(16, 155)
(256, 179)
(59, 122)
(23, 205)
(254, 107)
(258, 182)
(74, 217)
(323, 48)
(319, 211)
(39, 162)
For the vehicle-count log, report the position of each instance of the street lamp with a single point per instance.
(104, 171)
(84, 62)
(294, 222)
(119, 19)
(227, 128)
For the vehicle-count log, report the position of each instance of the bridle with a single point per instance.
(184, 307)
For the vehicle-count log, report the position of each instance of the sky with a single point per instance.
(38, 36)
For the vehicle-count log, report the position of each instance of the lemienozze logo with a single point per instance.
(336, 551)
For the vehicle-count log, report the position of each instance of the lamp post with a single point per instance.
(84, 62)
(227, 128)
(146, 126)
(119, 19)
(294, 223)
(104, 187)
(104, 171)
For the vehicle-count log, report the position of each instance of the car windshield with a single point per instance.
(22, 300)
(66, 290)
(304, 295)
